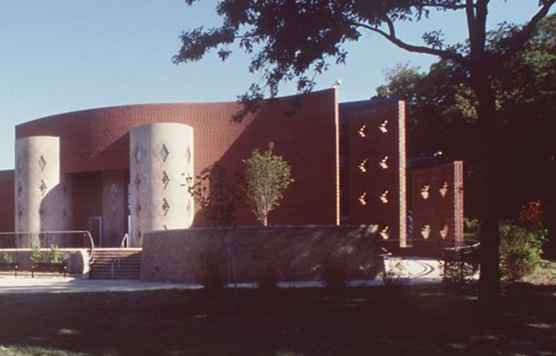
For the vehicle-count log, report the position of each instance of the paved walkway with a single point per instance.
(408, 271)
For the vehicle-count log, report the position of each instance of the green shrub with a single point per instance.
(471, 229)
(458, 269)
(520, 250)
(6, 258)
(55, 255)
(36, 255)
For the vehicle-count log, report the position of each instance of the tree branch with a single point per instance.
(471, 19)
(436, 5)
(520, 38)
(391, 36)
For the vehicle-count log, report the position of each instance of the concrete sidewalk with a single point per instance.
(409, 271)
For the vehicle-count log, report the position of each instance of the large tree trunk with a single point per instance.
(489, 283)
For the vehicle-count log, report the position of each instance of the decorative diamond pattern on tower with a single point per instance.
(165, 179)
(188, 155)
(42, 163)
(43, 187)
(164, 153)
(165, 206)
(137, 181)
(137, 154)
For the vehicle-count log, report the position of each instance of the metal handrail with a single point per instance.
(471, 247)
(64, 232)
(125, 241)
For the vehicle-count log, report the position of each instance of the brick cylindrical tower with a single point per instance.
(161, 161)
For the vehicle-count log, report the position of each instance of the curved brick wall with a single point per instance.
(303, 128)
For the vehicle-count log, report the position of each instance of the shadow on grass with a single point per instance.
(381, 321)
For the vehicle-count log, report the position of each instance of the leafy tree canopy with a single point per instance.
(444, 117)
(282, 50)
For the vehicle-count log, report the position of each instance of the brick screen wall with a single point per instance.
(437, 203)
(373, 173)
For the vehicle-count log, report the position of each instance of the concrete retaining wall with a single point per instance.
(78, 259)
(244, 254)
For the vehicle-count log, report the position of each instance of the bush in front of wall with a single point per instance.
(55, 256)
(36, 255)
(520, 250)
(6, 258)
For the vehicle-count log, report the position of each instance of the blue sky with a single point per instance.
(65, 55)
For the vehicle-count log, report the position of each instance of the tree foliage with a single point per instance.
(216, 192)
(267, 177)
(443, 116)
(282, 50)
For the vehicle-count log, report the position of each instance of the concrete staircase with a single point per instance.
(116, 263)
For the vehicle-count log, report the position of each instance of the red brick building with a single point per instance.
(348, 160)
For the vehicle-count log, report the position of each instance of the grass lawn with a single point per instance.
(375, 321)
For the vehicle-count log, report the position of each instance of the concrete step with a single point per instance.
(116, 276)
(118, 260)
(103, 255)
(116, 264)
